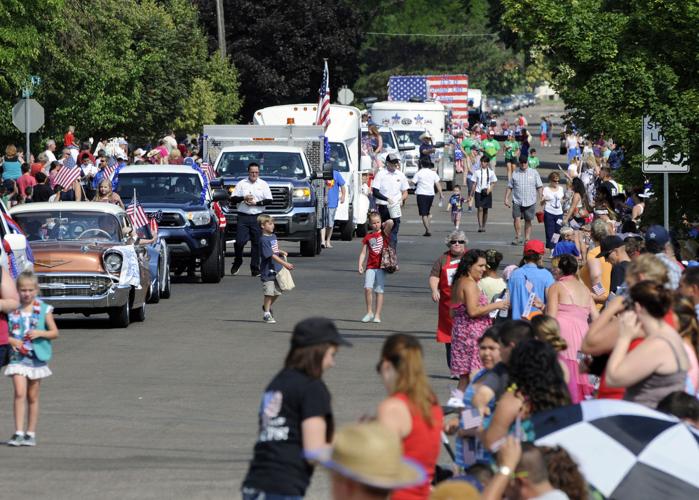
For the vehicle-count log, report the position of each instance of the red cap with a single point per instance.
(534, 246)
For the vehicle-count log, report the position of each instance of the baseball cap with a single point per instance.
(658, 234)
(317, 330)
(534, 246)
(608, 244)
(392, 157)
(139, 152)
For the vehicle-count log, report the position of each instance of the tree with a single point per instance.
(613, 63)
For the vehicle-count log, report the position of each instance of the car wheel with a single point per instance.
(167, 291)
(308, 247)
(119, 316)
(318, 242)
(154, 292)
(210, 272)
(138, 315)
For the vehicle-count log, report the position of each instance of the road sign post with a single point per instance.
(654, 162)
(28, 117)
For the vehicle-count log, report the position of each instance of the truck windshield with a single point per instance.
(272, 164)
(69, 225)
(338, 156)
(409, 136)
(160, 187)
(388, 141)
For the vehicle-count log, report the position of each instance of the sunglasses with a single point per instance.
(459, 242)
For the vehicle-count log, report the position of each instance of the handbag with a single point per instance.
(42, 349)
(284, 280)
(389, 259)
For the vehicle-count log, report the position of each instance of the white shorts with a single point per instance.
(374, 279)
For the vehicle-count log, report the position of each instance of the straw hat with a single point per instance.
(425, 135)
(370, 454)
(455, 490)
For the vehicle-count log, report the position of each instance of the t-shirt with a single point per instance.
(24, 181)
(496, 379)
(424, 147)
(68, 139)
(374, 242)
(553, 200)
(534, 162)
(42, 192)
(618, 275)
(268, 266)
(565, 247)
(511, 148)
(467, 143)
(606, 272)
(492, 287)
(525, 280)
(278, 465)
(334, 191)
(456, 202)
(390, 184)
(491, 147)
(424, 180)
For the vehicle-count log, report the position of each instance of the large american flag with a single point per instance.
(404, 88)
(208, 169)
(452, 91)
(66, 176)
(136, 213)
(323, 115)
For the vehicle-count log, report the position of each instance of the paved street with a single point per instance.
(167, 408)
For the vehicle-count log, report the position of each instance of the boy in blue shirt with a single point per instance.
(528, 284)
(271, 263)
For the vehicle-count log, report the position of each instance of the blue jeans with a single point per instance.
(551, 227)
(253, 494)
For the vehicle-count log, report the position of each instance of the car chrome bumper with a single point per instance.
(115, 296)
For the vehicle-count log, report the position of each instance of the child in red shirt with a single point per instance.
(372, 246)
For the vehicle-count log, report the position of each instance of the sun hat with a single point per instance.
(534, 246)
(139, 153)
(425, 135)
(371, 454)
(455, 489)
(152, 153)
(313, 331)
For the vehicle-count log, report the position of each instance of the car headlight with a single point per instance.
(231, 189)
(302, 194)
(201, 218)
(112, 262)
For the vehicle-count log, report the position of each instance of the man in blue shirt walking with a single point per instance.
(528, 284)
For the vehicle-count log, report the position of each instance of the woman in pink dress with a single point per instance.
(571, 303)
(471, 317)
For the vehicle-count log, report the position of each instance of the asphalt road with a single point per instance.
(167, 408)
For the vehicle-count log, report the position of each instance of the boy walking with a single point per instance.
(372, 246)
(270, 264)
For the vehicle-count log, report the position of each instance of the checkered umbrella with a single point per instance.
(625, 450)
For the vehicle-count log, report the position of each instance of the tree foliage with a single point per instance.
(614, 62)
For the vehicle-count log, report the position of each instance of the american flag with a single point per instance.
(66, 176)
(598, 289)
(452, 91)
(404, 88)
(136, 214)
(323, 115)
(208, 169)
(109, 171)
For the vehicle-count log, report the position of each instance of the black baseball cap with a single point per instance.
(608, 244)
(313, 331)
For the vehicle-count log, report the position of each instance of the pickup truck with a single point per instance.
(291, 162)
(182, 202)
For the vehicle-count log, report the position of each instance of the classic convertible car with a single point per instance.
(86, 259)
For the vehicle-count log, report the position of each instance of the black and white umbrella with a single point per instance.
(625, 450)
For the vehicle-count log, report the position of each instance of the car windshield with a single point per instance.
(338, 157)
(272, 164)
(409, 136)
(69, 225)
(160, 187)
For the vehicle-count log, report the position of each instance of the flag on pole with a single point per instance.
(66, 176)
(136, 214)
(208, 169)
(323, 115)
(109, 171)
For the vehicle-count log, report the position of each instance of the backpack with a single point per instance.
(389, 259)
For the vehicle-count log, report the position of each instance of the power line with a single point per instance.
(443, 35)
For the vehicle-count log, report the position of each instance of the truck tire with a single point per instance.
(210, 267)
(119, 316)
(319, 243)
(346, 231)
(308, 247)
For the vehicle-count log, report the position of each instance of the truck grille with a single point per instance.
(74, 286)
(167, 219)
(281, 199)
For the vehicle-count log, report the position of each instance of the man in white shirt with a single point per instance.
(251, 195)
(426, 180)
(50, 148)
(390, 187)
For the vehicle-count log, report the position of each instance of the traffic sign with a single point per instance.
(652, 148)
(345, 96)
(36, 115)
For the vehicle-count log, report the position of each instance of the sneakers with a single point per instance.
(456, 399)
(17, 440)
(268, 318)
(367, 317)
(235, 268)
(29, 440)
(254, 273)
(376, 320)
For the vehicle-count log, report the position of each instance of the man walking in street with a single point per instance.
(336, 196)
(390, 188)
(526, 188)
(250, 195)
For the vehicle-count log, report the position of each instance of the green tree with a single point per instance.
(613, 63)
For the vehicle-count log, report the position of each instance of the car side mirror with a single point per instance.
(407, 147)
(439, 144)
(220, 195)
(216, 183)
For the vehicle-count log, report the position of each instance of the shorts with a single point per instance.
(374, 279)
(271, 288)
(526, 213)
(424, 204)
(484, 201)
(543, 137)
(329, 216)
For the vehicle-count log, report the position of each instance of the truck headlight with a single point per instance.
(112, 262)
(302, 194)
(201, 218)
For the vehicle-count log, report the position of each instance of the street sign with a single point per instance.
(345, 96)
(35, 115)
(653, 142)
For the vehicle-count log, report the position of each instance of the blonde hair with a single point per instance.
(547, 329)
(27, 276)
(261, 219)
(648, 265)
(11, 150)
(566, 231)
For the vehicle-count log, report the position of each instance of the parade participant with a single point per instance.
(484, 179)
(571, 303)
(441, 280)
(106, 195)
(525, 186)
(390, 187)
(528, 284)
(250, 195)
(543, 132)
(658, 365)
(426, 149)
(411, 409)
(471, 317)
(337, 192)
(511, 147)
(273, 259)
(552, 204)
(373, 144)
(456, 206)
(425, 181)
(31, 329)
(372, 247)
(295, 414)
(366, 463)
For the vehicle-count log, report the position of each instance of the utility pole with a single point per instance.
(221, 28)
